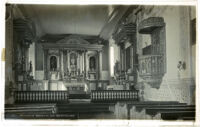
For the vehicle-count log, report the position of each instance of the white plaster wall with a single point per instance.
(39, 75)
(146, 40)
(121, 111)
(193, 12)
(105, 75)
(116, 52)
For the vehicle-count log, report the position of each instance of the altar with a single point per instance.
(71, 61)
(76, 87)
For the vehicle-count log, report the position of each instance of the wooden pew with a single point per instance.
(169, 110)
(164, 109)
(174, 115)
(24, 111)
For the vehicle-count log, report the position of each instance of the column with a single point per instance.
(85, 64)
(134, 55)
(79, 61)
(45, 64)
(98, 65)
(60, 65)
(120, 59)
(131, 34)
(68, 61)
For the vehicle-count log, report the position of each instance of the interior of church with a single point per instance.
(100, 62)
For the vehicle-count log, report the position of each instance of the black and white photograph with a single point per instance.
(100, 62)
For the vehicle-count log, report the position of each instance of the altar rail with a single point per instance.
(114, 95)
(40, 96)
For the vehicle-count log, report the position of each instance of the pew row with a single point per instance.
(161, 110)
(24, 111)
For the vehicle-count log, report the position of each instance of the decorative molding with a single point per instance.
(124, 32)
(72, 46)
(73, 39)
(148, 25)
(25, 28)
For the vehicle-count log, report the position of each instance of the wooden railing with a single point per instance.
(114, 95)
(40, 96)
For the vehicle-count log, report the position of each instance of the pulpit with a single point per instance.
(152, 63)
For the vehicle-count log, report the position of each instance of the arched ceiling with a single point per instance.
(67, 19)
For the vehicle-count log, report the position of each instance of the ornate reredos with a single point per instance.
(73, 39)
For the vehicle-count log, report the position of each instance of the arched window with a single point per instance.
(53, 63)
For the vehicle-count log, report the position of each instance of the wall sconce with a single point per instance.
(181, 65)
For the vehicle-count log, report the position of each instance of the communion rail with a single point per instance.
(40, 96)
(114, 95)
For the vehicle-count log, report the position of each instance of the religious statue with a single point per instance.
(73, 64)
(53, 63)
(92, 64)
(30, 66)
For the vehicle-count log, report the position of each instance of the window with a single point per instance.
(193, 31)
(111, 61)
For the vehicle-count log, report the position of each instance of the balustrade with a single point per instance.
(114, 95)
(40, 96)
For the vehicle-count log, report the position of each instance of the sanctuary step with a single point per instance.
(86, 110)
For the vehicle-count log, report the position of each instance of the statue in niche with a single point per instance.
(53, 63)
(92, 64)
(116, 67)
(73, 63)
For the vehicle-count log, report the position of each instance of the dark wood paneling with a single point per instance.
(146, 50)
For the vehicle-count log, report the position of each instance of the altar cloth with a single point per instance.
(74, 86)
